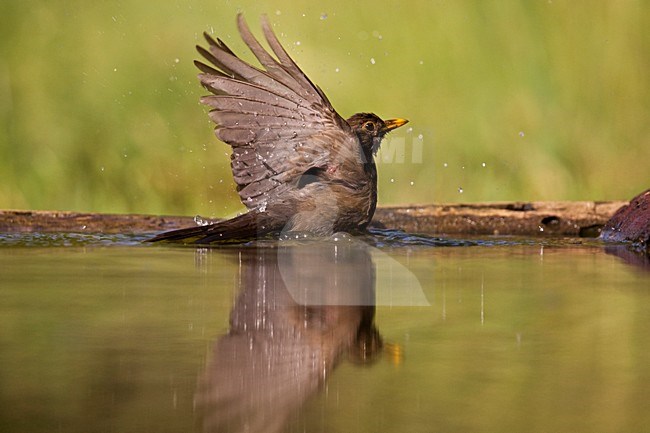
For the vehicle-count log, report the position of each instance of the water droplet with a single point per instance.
(200, 221)
(482, 164)
(372, 60)
(336, 70)
(444, 165)
(392, 180)
(298, 43)
(412, 183)
(177, 60)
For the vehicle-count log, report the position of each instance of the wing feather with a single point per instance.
(250, 106)
(279, 124)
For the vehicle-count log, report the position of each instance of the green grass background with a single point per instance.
(510, 100)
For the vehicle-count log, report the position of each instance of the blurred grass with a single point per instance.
(510, 100)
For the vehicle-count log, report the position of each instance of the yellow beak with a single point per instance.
(391, 124)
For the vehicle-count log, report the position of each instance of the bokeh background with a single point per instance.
(508, 100)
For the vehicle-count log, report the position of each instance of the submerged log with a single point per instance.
(521, 219)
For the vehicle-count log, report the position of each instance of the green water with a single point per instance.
(102, 334)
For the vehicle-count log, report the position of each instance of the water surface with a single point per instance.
(388, 333)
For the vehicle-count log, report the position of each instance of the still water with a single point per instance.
(388, 333)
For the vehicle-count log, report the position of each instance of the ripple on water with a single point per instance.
(378, 238)
(397, 238)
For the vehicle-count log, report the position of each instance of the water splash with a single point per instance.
(202, 221)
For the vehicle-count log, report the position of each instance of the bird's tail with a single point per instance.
(243, 227)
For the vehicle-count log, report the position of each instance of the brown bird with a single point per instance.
(298, 165)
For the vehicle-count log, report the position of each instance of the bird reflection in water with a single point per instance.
(302, 307)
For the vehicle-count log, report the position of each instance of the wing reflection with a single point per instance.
(301, 308)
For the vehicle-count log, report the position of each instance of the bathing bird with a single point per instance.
(298, 165)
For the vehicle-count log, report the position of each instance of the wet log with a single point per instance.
(578, 218)
(520, 219)
(631, 223)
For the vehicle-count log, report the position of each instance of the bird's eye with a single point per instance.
(369, 126)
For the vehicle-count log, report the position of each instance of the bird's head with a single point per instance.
(371, 129)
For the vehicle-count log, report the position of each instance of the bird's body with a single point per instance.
(298, 165)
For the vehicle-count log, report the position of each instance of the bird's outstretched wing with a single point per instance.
(280, 125)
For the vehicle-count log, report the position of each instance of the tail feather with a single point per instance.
(242, 227)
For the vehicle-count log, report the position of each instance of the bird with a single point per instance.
(298, 165)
